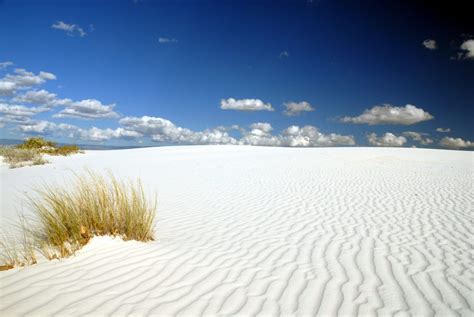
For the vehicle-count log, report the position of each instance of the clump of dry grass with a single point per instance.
(18, 157)
(31, 151)
(48, 147)
(17, 250)
(66, 219)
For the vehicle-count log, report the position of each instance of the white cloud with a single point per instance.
(88, 109)
(5, 64)
(430, 44)
(72, 131)
(311, 136)
(443, 130)
(11, 117)
(260, 135)
(70, 29)
(42, 97)
(284, 54)
(165, 40)
(456, 143)
(421, 138)
(468, 47)
(22, 79)
(229, 128)
(388, 114)
(295, 108)
(46, 127)
(6, 87)
(96, 134)
(211, 136)
(293, 136)
(388, 139)
(162, 130)
(245, 105)
(262, 126)
(165, 131)
(20, 111)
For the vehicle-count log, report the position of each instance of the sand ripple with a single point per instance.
(269, 231)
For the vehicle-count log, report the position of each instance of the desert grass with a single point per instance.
(18, 250)
(31, 151)
(96, 205)
(18, 157)
(48, 147)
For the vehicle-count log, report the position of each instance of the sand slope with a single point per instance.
(269, 231)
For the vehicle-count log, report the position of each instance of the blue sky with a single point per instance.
(224, 72)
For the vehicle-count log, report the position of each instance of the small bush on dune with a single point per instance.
(66, 219)
(67, 150)
(36, 144)
(48, 147)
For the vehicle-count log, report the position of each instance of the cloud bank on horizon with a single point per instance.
(21, 92)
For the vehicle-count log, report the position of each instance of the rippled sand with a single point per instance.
(270, 231)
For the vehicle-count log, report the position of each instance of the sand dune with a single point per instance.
(266, 231)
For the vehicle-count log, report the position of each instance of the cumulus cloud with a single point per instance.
(5, 64)
(88, 109)
(296, 108)
(260, 135)
(293, 136)
(229, 128)
(6, 88)
(388, 114)
(430, 44)
(22, 79)
(166, 40)
(262, 126)
(47, 128)
(70, 29)
(443, 130)
(388, 139)
(71, 131)
(96, 134)
(20, 111)
(245, 105)
(455, 143)
(284, 54)
(162, 130)
(165, 131)
(41, 97)
(310, 136)
(421, 138)
(468, 48)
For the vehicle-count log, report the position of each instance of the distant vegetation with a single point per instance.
(66, 219)
(31, 151)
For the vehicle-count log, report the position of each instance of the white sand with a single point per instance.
(270, 231)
